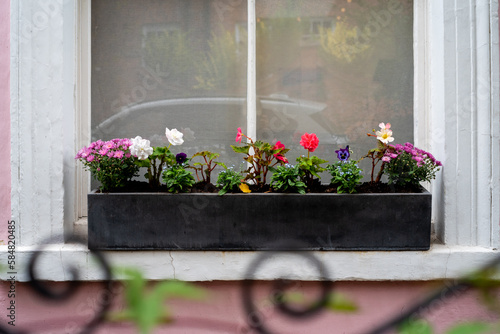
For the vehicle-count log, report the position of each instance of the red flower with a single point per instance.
(279, 156)
(309, 141)
(239, 135)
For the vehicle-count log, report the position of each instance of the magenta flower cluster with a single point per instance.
(114, 148)
(110, 162)
(420, 156)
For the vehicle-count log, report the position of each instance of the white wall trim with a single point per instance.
(38, 109)
(441, 262)
(83, 100)
(469, 83)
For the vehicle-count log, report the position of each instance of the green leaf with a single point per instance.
(241, 149)
(418, 326)
(142, 163)
(470, 328)
(340, 303)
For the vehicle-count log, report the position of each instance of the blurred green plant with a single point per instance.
(222, 66)
(485, 281)
(336, 302)
(170, 52)
(146, 304)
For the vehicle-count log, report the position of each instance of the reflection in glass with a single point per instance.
(166, 63)
(343, 67)
(336, 68)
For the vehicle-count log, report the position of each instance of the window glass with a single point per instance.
(169, 63)
(337, 69)
(330, 67)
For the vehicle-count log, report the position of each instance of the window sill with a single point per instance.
(440, 262)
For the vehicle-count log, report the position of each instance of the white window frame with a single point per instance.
(455, 116)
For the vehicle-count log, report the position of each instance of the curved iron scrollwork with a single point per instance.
(255, 321)
(254, 318)
(42, 290)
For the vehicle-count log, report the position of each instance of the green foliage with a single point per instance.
(205, 168)
(418, 326)
(228, 180)
(287, 179)
(309, 168)
(423, 327)
(146, 305)
(487, 282)
(471, 328)
(264, 157)
(170, 53)
(178, 179)
(221, 67)
(155, 163)
(405, 170)
(346, 175)
(338, 302)
(113, 173)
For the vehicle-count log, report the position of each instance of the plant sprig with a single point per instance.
(287, 179)
(228, 180)
(205, 168)
(261, 157)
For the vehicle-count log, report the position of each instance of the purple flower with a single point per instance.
(343, 153)
(180, 158)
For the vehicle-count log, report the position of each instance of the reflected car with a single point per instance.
(210, 123)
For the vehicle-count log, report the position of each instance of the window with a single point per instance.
(324, 68)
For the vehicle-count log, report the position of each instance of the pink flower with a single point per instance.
(103, 152)
(90, 158)
(386, 158)
(279, 156)
(118, 154)
(109, 145)
(110, 154)
(309, 141)
(239, 135)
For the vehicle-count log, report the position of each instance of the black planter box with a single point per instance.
(200, 221)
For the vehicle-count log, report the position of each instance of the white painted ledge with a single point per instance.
(441, 262)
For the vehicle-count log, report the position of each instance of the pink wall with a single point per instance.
(222, 311)
(4, 117)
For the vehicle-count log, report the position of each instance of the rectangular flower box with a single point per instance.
(259, 221)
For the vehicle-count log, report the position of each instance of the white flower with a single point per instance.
(174, 136)
(384, 135)
(385, 126)
(141, 148)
